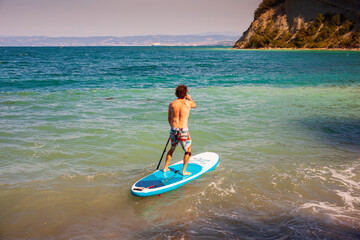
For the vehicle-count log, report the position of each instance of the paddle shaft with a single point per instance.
(163, 153)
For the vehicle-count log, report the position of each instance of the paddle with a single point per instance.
(163, 153)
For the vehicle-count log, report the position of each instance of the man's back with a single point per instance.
(179, 111)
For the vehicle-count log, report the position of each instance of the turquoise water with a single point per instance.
(80, 125)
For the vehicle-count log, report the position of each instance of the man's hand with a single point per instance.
(188, 97)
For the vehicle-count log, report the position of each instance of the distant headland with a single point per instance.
(147, 40)
(303, 24)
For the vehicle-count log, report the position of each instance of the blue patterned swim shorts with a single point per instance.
(182, 136)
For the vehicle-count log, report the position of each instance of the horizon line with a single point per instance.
(145, 35)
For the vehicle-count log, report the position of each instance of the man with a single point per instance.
(179, 111)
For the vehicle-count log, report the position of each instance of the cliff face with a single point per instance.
(304, 24)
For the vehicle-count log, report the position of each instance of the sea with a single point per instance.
(80, 125)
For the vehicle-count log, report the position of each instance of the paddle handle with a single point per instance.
(163, 154)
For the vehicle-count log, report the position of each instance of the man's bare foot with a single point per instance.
(165, 170)
(186, 173)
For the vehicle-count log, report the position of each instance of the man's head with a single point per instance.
(181, 91)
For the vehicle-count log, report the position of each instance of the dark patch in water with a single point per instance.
(109, 98)
(8, 103)
(151, 100)
(335, 131)
(243, 227)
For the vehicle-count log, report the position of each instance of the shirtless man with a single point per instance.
(178, 116)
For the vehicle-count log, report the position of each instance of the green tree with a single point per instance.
(345, 28)
(324, 33)
(320, 19)
(355, 39)
(255, 42)
(311, 30)
(335, 20)
(300, 39)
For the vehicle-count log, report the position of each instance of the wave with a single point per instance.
(342, 182)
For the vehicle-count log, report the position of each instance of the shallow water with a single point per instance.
(80, 125)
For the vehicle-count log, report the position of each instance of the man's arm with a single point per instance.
(192, 103)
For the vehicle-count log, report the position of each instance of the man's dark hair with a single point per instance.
(181, 91)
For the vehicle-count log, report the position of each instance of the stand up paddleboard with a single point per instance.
(160, 182)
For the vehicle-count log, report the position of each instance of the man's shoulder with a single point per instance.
(176, 101)
(188, 104)
(173, 104)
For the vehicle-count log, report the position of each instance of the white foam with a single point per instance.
(216, 188)
(348, 199)
(222, 191)
(68, 176)
(345, 177)
(335, 213)
(351, 194)
(344, 185)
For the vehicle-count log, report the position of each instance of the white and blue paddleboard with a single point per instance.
(160, 182)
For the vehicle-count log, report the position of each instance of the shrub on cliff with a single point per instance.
(345, 28)
(335, 20)
(355, 39)
(300, 38)
(255, 42)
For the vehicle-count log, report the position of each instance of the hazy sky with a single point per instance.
(124, 17)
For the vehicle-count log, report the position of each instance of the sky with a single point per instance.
(81, 18)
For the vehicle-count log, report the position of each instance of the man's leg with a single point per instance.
(186, 161)
(168, 158)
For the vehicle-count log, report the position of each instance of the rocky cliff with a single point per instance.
(304, 24)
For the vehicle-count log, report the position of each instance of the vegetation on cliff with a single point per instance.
(308, 24)
(326, 31)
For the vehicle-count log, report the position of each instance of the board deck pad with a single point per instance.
(160, 182)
